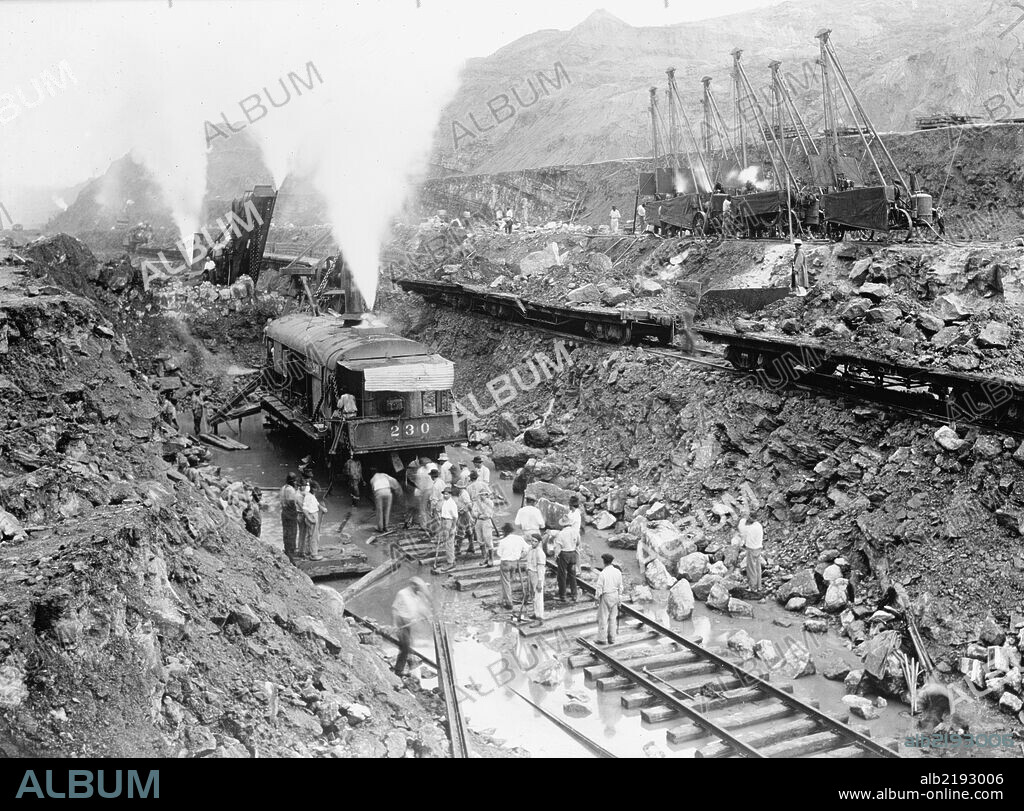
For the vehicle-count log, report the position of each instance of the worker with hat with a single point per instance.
(536, 567)
(446, 468)
(483, 514)
(466, 525)
(530, 518)
(448, 516)
(512, 550)
(411, 605)
(798, 277)
(482, 470)
(290, 507)
(608, 591)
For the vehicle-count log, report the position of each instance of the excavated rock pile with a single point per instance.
(136, 616)
(635, 434)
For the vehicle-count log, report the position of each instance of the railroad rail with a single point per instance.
(449, 688)
(775, 361)
(723, 708)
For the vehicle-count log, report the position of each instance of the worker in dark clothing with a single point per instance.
(290, 514)
(198, 410)
(798, 278)
(251, 514)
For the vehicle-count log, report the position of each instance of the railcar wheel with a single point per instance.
(742, 359)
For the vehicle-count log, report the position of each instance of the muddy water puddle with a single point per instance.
(491, 658)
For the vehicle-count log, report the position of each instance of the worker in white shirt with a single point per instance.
(384, 488)
(423, 485)
(512, 550)
(641, 213)
(446, 468)
(482, 470)
(411, 605)
(536, 566)
(567, 541)
(483, 513)
(574, 518)
(475, 485)
(437, 488)
(608, 591)
(448, 517)
(346, 408)
(752, 535)
(529, 518)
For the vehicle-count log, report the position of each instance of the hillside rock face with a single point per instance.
(137, 617)
(579, 96)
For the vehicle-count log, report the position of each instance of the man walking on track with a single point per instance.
(411, 605)
(608, 591)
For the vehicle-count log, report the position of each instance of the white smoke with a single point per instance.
(60, 203)
(147, 77)
(750, 175)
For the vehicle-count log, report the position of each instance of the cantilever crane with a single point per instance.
(833, 74)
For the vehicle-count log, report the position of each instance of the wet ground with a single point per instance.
(492, 659)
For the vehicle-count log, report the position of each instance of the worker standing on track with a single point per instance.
(448, 516)
(384, 488)
(512, 550)
(354, 474)
(290, 509)
(465, 526)
(483, 513)
(411, 605)
(608, 591)
(536, 568)
(567, 542)
(530, 519)
(752, 534)
(423, 485)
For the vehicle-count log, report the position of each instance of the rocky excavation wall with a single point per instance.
(982, 197)
(638, 434)
(136, 616)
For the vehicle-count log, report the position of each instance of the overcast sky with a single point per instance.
(201, 58)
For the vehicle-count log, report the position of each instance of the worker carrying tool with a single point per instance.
(411, 605)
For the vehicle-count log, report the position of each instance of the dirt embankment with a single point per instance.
(136, 616)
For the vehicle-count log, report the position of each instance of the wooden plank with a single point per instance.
(803, 746)
(219, 442)
(733, 694)
(789, 733)
(572, 622)
(772, 711)
(610, 683)
(641, 698)
(842, 752)
(578, 660)
(334, 567)
(371, 577)
(656, 661)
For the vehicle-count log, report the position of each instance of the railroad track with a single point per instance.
(449, 689)
(706, 701)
